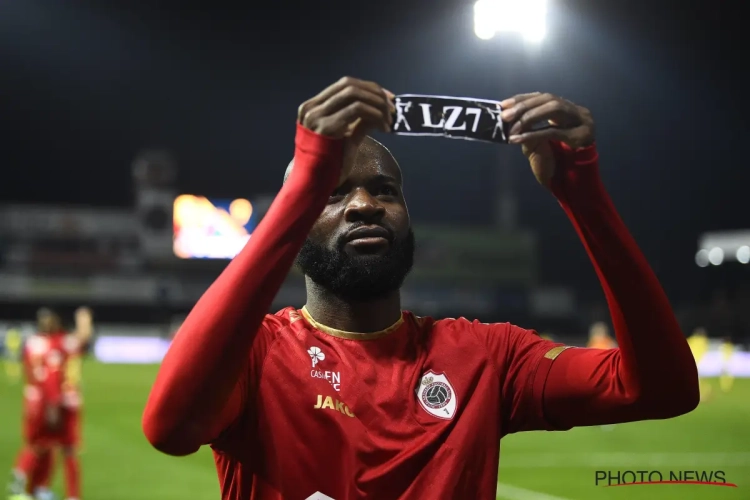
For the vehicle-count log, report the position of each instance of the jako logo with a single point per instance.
(643, 477)
(316, 355)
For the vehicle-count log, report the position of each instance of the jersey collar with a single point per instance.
(351, 335)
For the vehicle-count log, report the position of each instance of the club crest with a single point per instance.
(437, 396)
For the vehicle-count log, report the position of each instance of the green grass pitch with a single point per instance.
(118, 463)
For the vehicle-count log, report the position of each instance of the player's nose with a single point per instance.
(363, 206)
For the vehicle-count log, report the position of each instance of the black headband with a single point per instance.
(454, 117)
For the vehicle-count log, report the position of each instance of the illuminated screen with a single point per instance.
(211, 229)
(130, 350)
(133, 350)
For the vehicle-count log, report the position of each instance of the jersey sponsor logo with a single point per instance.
(329, 403)
(334, 378)
(316, 355)
(437, 396)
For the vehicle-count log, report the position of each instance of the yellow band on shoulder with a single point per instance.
(555, 351)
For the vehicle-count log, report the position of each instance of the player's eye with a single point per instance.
(337, 195)
(387, 190)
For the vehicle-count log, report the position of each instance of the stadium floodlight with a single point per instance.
(716, 256)
(719, 247)
(743, 254)
(701, 258)
(525, 17)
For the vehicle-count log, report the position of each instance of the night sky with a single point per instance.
(85, 85)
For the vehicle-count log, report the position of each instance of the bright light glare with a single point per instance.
(716, 256)
(525, 17)
(743, 254)
(701, 258)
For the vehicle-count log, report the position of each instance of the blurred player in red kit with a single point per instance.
(52, 404)
(351, 397)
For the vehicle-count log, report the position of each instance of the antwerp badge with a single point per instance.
(436, 395)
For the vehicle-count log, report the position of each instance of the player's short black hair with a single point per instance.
(46, 311)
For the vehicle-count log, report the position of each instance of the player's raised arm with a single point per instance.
(202, 385)
(652, 375)
(84, 327)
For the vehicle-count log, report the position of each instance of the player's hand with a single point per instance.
(84, 323)
(570, 124)
(83, 317)
(348, 109)
(52, 416)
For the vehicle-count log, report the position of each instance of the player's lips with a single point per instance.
(368, 235)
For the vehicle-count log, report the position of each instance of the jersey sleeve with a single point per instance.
(201, 377)
(72, 372)
(652, 374)
(238, 437)
(523, 360)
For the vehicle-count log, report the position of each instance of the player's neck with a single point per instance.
(359, 317)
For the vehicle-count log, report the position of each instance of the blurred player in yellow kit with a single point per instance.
(12, 361)
(698, 343)
(726, 380)
(599, 337)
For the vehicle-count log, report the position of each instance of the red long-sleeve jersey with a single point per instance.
(296, 410)
(52, 369)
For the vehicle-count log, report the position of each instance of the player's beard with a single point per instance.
(358, 278)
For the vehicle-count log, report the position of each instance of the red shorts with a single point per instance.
(37, 432)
